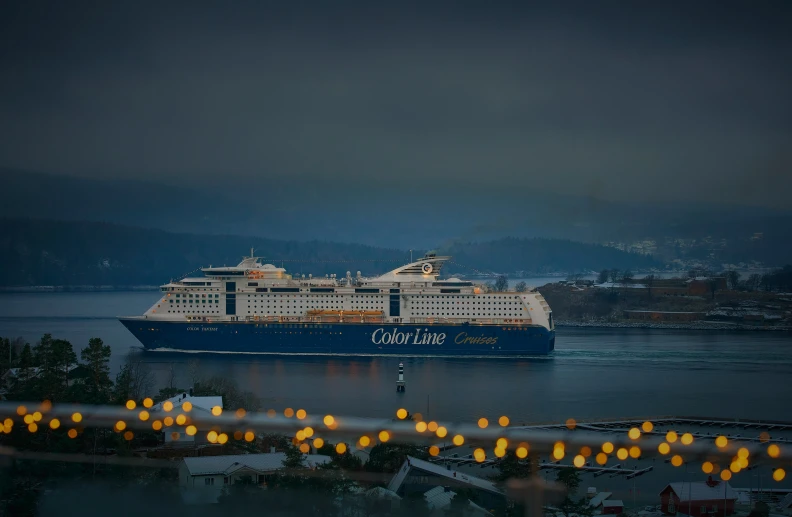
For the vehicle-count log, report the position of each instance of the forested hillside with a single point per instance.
(35, 252)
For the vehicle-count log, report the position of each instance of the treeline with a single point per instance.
(57, 253)
(539, 256)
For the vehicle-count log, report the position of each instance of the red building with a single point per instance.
(708, 499)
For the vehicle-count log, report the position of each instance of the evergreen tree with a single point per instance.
(23, 385)
(510, 466)
(97, 389)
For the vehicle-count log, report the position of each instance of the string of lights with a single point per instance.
(490, 440)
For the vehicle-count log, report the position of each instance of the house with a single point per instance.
(175, 435)
(384, 498)
(596, 501)
(708, 499)
(202, 479)
(611, 507)
(439, 499)
(421, 476)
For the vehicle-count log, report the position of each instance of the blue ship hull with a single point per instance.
(404, 339)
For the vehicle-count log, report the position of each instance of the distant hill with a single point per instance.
(387, 213)
(40, 252)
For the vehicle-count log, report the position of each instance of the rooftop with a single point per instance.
(439, 470)
(702, 491)
(208, 465)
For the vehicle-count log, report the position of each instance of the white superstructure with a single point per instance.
(414, 293)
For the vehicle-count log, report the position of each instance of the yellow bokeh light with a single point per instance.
(72, 433)
(288, 412)
(622, 453)
(501, 443)
(120, 425)
(240, 413)
(181, 419)
(676, 460)
(401, 414)
(217, 411)
(384, 436)
(726, 474)
(341, 448)
(54, 423)
(329, 420)
(301, 414)
(663, 448)
(742, 452)
(503, 421)
(602, 458)
(686, 439)
(222, 438)
(671, 436)
(300, 435)
(37, 416)
(167, 405)
(147, 402)
(441, 432)
(579, 461)
(635, 452)
(76, 417)
(432, 426)
(420, 426)
(735, 467)
(28, 419)
(130, 404)
(21, 410)
(634, 433)
(585, 451)
(707, 467)
(773, 450)
(168, 421)
(144, 415)
(607, 447)
(250, 436)
(211, 436)
(305, 448)
(721, 441)
(365, 441)
(483, 423)
(742, 462)
(571, 424)
(187, 406)
(558, 453)
(647, 427)
(458, 440)
(521, 452)
(779, 474)
(479, 455)
(418, 417)
(499, 452)
(33, 427)
(318, 442)
(308, 432)
(156, 425)
(434, 450)
(191, 430)
(8, 422)
(129, 435)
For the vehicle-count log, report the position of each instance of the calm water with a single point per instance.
(593, 374)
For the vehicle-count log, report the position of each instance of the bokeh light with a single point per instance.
(503, 421)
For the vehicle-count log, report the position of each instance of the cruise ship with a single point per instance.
(409, 311)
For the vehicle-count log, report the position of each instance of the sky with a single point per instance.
(646, 101)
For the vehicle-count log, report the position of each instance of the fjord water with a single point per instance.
(594, 373)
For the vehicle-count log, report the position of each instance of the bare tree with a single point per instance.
(501, 283)
(732, 279)
(521, 287)
(648, 280)
(603, 276)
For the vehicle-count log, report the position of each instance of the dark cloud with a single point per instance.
(652, 102)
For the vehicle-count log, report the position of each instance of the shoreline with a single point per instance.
(697, 325)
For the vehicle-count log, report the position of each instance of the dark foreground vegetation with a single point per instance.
(91, 481)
